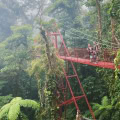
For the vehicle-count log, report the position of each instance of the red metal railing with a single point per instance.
(106, 55)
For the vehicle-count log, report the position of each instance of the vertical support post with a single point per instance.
(68, 83)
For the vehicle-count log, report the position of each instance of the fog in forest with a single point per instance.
(59, 59)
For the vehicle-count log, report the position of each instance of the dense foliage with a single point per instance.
(30, 69)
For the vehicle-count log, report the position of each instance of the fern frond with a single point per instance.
(4, 110)
(109, 107)
(14, 111)
(96, 106)
(29, 103)
(16, 99)
(5, 106)
(97, 113)
(105, 101)
(102, 108)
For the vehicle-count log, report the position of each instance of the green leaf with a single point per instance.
(29, 104)
(4, 110)
(14, 111)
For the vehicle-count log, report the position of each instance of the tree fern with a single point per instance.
(12, 110)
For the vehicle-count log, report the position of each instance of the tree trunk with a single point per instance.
(99, 21)
(115, 41)
(47, 47)
(113, 29)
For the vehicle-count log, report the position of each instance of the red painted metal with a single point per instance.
(75, 76)
(67, 102)
(52, 34)
(106, 55)
(108, 65)
(71, 91)
(78, 55)
(72, 76)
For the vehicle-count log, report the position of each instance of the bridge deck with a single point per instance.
(108, 65)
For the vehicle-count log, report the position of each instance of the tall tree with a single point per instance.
(16, 56)
(99, 21)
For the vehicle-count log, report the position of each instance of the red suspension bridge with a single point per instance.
(78, 55)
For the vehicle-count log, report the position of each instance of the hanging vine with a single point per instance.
(117, 62)
(117, 76)
(46, 68)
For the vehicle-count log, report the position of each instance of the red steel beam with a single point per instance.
(71, 100)
(72, 76)
(68, 83)
(52, 34)
(86, 61)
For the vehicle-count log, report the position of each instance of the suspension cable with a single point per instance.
(97, 39)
